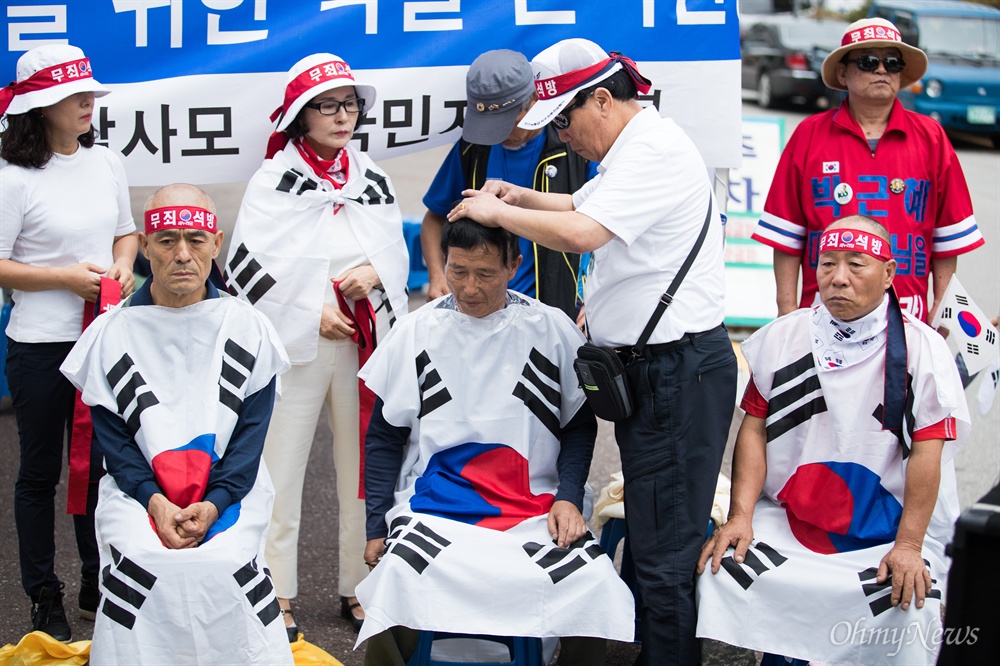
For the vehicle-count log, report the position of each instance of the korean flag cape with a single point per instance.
(279, 257)
(178, 378)
(469, 550)
(831, 504)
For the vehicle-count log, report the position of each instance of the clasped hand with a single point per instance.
(181, 528)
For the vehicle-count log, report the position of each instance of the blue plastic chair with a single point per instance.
(778, 660)
(522, 651)
(418, 269)
(4, 318)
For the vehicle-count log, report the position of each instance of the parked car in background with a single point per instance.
(961, 88)
(783, 56)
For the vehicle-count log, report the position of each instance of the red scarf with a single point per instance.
(363, 320)
(332, 171)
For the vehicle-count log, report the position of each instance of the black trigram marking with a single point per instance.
(433, 394)
(753, 566)
(991, 337)
(545, 400)
(946, 312)
(384, 302)
(961, 300)
(374, 196)
(972, 349)
(122, 600)
(259, 591)
(799, 400)
(247, 276)
(294, 179)
(131, 392)
(880, 594)
(237, 363)
(414, 542)
(559, 563)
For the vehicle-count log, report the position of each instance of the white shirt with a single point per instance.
(68, 212)
(651, 191)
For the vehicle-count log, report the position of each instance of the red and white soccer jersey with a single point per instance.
(912, 183)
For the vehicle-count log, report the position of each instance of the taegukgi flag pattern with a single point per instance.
(468, 549)
(969, 329)
(178, 378)
(833, 497)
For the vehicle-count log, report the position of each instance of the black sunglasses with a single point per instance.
(869, 63)
(562, 120)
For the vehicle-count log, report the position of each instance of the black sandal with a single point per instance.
(293, 629)
(347, 612)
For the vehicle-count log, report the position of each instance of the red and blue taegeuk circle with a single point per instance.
(837, 507)
(969, 323)
(479, 484)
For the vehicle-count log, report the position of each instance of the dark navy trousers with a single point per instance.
(671, 450)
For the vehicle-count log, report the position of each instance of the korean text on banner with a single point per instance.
(194, 81)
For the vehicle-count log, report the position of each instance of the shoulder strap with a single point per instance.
(668, 296)
(473, 158)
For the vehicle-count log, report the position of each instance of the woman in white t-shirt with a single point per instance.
(318, 247)
(65, 222)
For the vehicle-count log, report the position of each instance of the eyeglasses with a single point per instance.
(869, 63)
(331, 107)
(562, 120)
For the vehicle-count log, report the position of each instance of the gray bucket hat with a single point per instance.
(497, 85)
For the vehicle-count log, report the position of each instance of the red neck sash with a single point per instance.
(363, 320)
(83, 426)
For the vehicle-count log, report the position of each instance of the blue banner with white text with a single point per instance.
(195, 80)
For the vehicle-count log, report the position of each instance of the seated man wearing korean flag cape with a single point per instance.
(181, 380)
(476, 455)
(844, 493)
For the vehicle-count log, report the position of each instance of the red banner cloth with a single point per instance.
(363, 319)
(83, 427)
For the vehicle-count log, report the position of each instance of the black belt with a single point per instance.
(664, 347)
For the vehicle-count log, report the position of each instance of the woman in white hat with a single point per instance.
(318, 247)
(65, 222)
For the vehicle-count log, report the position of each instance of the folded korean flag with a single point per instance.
(970, 329)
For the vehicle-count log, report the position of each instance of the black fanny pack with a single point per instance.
(602, 377)
(601, 370)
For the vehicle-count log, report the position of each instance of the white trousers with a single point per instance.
(330, 379)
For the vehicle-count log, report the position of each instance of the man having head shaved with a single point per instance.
(181, 380)
(843, 481)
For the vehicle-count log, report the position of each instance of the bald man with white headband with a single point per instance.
(181, 380)
(844, 491)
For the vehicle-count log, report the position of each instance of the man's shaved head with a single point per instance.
(179, 194)
(861, 223)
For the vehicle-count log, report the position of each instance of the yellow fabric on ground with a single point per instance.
(40, 649)
(307, 654)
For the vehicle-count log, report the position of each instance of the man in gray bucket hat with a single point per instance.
(500, 91)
